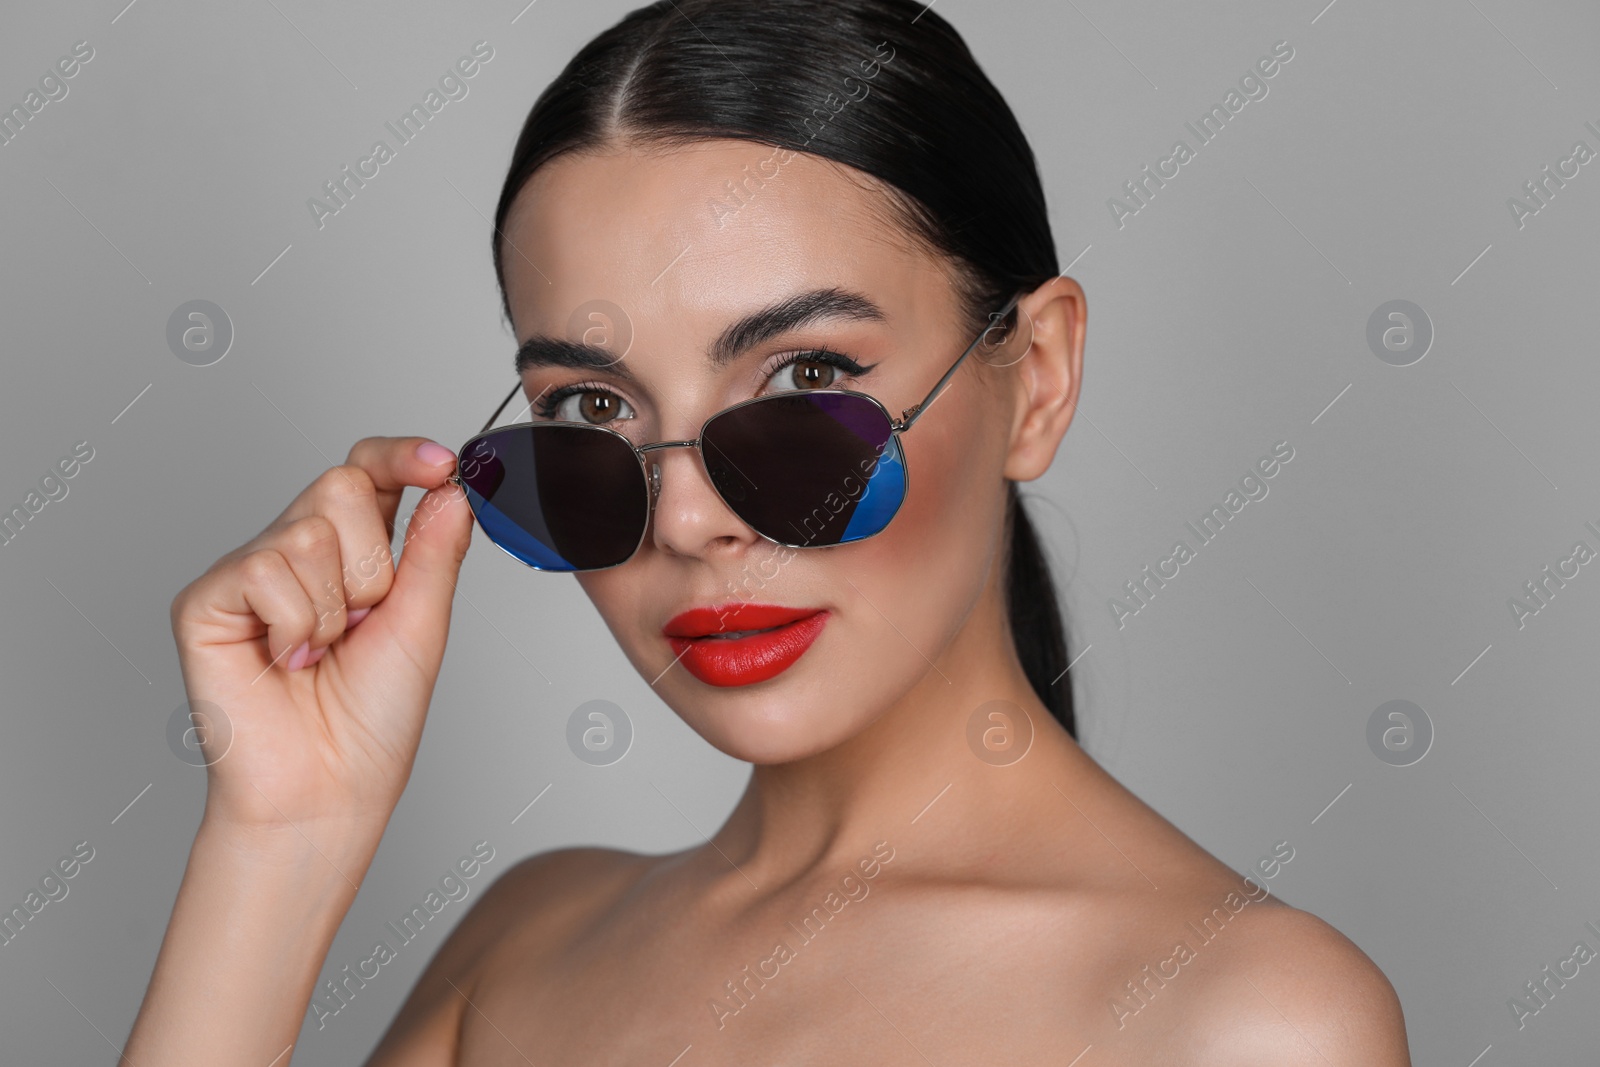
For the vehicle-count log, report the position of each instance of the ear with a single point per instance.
(1047, 374)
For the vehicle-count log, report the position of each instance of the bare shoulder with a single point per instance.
(535, 887)
(542, 893)
(1290, 989)
(1271, 984)
(547, 891)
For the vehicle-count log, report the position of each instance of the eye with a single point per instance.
(586, 402)
(816, 368)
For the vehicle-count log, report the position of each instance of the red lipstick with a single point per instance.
(768, 640)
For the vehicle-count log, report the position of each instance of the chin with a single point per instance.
(771, 729)
(798, 713)
(766, 714)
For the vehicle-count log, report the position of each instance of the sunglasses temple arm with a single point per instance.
(908, 417)
(912, 414)
(501, 408)
(455, 476)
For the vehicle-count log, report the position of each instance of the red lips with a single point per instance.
(732, 661)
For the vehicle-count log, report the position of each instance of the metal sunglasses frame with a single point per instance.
(652, 477)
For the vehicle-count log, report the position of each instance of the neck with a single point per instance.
(911, 773)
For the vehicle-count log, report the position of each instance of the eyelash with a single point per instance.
(547, 405)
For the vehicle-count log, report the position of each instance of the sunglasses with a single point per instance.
(804, 469)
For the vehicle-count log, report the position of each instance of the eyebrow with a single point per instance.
(791, 313)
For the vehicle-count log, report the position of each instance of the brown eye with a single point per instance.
(812, 374)
(589, 404)
(598, 407)
(816, 368)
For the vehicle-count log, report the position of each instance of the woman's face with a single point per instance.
(655, 244)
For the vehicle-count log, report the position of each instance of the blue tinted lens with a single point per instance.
(557, 496)
(808, 469)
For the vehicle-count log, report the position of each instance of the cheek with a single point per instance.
(935, 554)
(617, 596)
(954, 483)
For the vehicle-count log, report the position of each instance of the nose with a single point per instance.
(688, 517)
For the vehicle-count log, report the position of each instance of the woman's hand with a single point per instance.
(320, 654)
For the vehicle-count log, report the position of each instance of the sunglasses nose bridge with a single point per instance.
(655, 468)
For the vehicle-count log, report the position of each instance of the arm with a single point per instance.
(252, 924)
(311, 659)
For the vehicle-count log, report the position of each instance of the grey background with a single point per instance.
(1227, 315)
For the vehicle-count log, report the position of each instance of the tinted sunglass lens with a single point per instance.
(807, 469)
(559, 497)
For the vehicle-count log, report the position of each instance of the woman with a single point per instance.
(781, 198)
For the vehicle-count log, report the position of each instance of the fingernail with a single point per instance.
(297, 658)
(318, 654)
(434, 454)
(356, 616)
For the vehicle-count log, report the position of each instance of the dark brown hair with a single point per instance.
(884, 86)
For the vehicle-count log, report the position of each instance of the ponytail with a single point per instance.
(1035, 615)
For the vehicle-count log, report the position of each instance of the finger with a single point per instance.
(263, 585)
(390, 464)
(393, 463)
(311, 548)
(362, 496)
(347, 495)
(416, 613)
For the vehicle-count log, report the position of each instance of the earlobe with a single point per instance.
(1049, 374)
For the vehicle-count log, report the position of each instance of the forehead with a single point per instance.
(688, 238)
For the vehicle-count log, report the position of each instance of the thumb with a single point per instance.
(416, 611)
